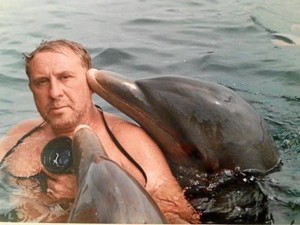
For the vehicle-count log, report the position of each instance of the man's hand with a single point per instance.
(61, 186)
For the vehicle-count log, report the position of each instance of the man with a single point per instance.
(57, 78)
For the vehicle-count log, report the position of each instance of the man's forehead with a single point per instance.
(50, 56)
(55, 61)
(59, 50)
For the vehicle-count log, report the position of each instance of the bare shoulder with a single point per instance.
(161, 184)
(14, 134)
(126, 130)
(115, 121)
(24, 126)
(141, 147)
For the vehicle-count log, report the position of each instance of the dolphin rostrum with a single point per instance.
(199, 125)
(105, 192)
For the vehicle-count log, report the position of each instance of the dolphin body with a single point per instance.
(285, 39)
(200, 126)
(106, 193)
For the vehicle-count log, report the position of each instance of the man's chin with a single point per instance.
(63, 123)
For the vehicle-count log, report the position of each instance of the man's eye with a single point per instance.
(40, 83)
(65, 77)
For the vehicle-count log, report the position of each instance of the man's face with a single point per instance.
(60, 90)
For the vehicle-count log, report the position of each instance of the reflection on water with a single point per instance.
(230, 197)
(229, 42)
(25, 199)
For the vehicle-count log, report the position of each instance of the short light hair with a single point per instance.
(57, 46)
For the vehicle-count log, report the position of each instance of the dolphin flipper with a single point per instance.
(106, 193)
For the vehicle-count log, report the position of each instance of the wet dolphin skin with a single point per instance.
(105, 192)
(199, 125)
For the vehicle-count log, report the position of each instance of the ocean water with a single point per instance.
(232, 42)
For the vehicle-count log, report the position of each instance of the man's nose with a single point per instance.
(56, 89)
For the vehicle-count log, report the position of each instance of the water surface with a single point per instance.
(229, 42)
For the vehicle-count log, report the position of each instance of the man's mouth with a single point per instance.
(57, 109)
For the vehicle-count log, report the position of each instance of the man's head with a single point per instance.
(57, 78)
(57, 46)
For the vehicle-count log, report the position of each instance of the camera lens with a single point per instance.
(56, 156)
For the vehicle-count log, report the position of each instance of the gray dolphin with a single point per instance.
(106, 193)
(285, 39)
(199, 125)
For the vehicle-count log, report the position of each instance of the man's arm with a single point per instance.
(161, 184)
(13, 135)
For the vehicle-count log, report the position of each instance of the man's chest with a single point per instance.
(25, 161)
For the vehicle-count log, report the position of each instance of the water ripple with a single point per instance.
(14, 82)
(111, 56)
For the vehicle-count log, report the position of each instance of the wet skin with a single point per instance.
(64, 100)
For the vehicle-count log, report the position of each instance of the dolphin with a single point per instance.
(106, 193)
(285, 39)
(200, 126)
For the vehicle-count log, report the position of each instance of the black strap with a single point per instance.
(20, 141)
(120, 147)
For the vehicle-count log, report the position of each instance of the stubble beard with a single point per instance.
(65, 122)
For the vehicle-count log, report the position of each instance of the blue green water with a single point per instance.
(229, 42)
